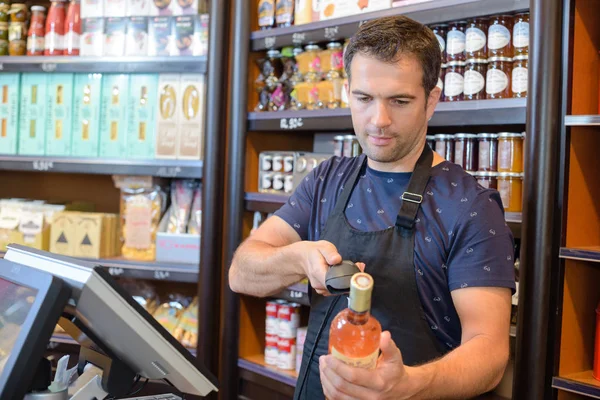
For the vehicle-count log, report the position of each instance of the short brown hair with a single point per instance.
(388, 38)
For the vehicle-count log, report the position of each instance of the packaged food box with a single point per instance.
(113, 116)
(169, 96)
(92, 9)
(141, 116)
(191, 116)
(92, 37)
(136, 43)
(115, 8)
(184, 7)
(86, 115)
(342, 8)
(266, 13)
(114, 36)
(303, 12)
(62, 234)
(10, 86)
(138, 8)
(200, 45)
(60, 113)
(184, 35)
(161, 36)
(32, 124)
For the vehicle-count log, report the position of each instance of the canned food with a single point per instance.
(267, 181)
(288, 163)
(351, 146)
(287, 353)
(277, 163)
(267, 162)
(301, 336)
(271, 349)
(301, 164)
(289, 319)
(299, 352)
(312, 163)
(288, 184)
(272, 323)
(278, 181)
(338, 145)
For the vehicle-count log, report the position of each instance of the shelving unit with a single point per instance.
(582, 120)
(582, 383)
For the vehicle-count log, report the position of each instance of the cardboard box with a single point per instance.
(115, 30)
(175, 8)
(32, 124)
(115, 8)
(200, 45)
(92, 9)
(191, 116)
(9, 224)
(86, 115)
(330, 9)
(184, 35)
(88, 235)
(136, 43)
(161, 36)
(113, 116)
(176, 248)
(33, 231)
(138, 8)
(10, 88)
(62, 234)
(92, 37)
(303, 12)
(60, 113)
(169, 96)
(141, 116)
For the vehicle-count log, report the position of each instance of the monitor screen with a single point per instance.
(16, 302)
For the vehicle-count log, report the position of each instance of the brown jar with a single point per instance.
(444, 146)
(454, 81)
(500, 36)
(521, 34)
(475, 74)
(440, 31)
(465, 148)
(487, 144)
(487, 179)
(476, 38)
(455, 41)
(519, 76)
(18, 12)
(510, 186)
(510, 152)
(497, 82)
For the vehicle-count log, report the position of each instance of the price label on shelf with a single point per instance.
(298, 38)
(295, 294)
(115, 271)
(48, 67)
(270, 42)
(169, 172)
(290, 123)
(42, 165)
(331, 32)
(161, 275)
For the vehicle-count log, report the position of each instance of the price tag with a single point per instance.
(363, 22)
(295, 294)
(169, 172)
(1, 66)
(331, 32)
(41, 165)
(161, 275)
(115, 271)
(48, 67)
(290, 123)
(298, 38)
(270, 42)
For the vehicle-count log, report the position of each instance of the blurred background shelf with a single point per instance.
(582, 120)
(584, 254)
(256, 364)
(582, 383)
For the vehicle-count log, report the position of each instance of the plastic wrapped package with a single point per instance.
(142, 292)
(169, 313)
(195, 223)
(187, 330)
(182, 194)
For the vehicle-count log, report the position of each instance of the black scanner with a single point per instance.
(338, 277)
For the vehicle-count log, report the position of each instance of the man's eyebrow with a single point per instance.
(396, 96)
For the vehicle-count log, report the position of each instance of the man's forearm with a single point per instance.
(259, 269)
(473, 368)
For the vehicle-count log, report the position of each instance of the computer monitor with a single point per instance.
(118, 325)
(31, 301)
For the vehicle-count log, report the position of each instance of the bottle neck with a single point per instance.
(357, 318)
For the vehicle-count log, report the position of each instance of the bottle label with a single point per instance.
(72, 40)
(35, 44)
(475, 40)
(504, 189)
(442, 42)
(455, 84)
(474, 82)
(459, 151)
(496, 81)
(504, 154)
(498, 37)
(521, 34)
(519, 80)
(484, 155)
(337, 60)
(368, 362)
(456, 42)
(54, 41)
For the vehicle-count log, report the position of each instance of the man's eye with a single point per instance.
(400, 102)
(363, 99)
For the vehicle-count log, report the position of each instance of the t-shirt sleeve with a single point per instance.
(297, 210)
(482, 252)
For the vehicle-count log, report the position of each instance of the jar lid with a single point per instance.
(487, 174)
(351, 137)
(334, 45)
(521, 57)
(503, 135)
(442, 136)
(456, 64)
(15, 7)
(439, 26)
(298, 50)
(444, 65)
(471, 172)
(510, 175)
(465, 136)
(506, 59)
(38, 8)
(273, 53)
(430, 137)
(487, 136)
(477, 61)
(338, 137)
(311, 47)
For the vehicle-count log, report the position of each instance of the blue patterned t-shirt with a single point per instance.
(461, 237)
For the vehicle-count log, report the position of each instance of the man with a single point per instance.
(442, 265)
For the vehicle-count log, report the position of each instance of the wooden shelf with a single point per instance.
(584, 254)
(582, 120)
(426, 12)
(582, 383)
(256, 364)
(455, 114)
(264, 202)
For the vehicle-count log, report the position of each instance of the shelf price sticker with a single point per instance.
(42, 165)
(298, 38)
(116, 271)
(270, 42)
(169, 172)
(331, 32)
(161, 275)
(294, 294)
(48, 67)
(291, 123)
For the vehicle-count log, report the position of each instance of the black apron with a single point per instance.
(389, 258)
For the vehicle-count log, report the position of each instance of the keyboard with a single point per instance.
(156, 397)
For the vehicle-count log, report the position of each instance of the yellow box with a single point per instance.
(88, 235)
(33, 231)
(191, 116)
(167, 116)
(62, 234)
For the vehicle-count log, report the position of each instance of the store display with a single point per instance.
(55, 29)
(33, 114)
(498, 85)
(35, 35)
(191, 117)
(113, 116)
(86, 115)
(500, 37)
(92, 37)
(60, 113)
(510, 152)
(519, 76)
(281, 172)
(141, 116)
(73, 29)
(283, 334)
(115, 30)
(10, 85)
(510, 186)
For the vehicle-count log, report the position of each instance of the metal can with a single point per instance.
(271, 349)
(277, 163)
(288, 163)
(286, 358)
(312, 164)
(272, 323)
(267, 162)
(338, 145)
(267, 181)
(288, 184)
(278, 182)
(350, 146)
(289, 320)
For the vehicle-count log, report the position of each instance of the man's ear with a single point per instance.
(432, 101)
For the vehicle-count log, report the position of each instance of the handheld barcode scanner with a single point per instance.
(338, 277)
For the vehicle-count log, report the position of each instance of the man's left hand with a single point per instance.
(389, 380)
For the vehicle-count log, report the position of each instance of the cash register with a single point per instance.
(118, 337)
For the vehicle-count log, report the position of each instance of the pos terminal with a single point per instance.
(118, 336)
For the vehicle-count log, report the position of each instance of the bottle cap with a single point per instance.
(361, 288)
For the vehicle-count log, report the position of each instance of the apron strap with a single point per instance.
(342, 201)
(413, 196)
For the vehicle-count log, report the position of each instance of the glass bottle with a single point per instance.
(313, 54)
(500, 36)
(355, 334)
(456, 41)
(55, 29)
(476, 38)
(498, 76)
(35, 36)
(73, 29)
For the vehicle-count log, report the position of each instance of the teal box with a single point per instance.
(60, 113)
(10, 91)
(32, 121)
(141, 116)
(113, 116)
(87, 94)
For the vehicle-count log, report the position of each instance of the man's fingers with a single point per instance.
(389, 351)
(334, 386)
(360, 378)
(329, 252)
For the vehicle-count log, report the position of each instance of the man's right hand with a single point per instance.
(317, 257)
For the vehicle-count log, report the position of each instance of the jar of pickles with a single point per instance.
(521, 34)
(444, 146)
(313, 53)
(456, 41)
(3, 38)
(499, 36)
(510, 152)
(440, 31)
(488, 180)
(497, 83)
(465, 148)
(476, 38)
(475, 74)
(454, 84)
(510, 186)
(519, 76)
(4, 8)
(17, 30)
(487, 144)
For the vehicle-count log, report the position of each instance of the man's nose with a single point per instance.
(381, 117)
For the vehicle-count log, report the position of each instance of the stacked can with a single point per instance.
(346, 146)
(300, 339)
(288, 315)
(271, 332)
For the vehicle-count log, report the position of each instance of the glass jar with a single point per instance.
(488, 180)
(476, 38)
(314, 72)
(487, 145)
(444, 146)
(497, 82)
(475, 74)
(314, 98)
(55, 29)
(440, 31)
(441, 80)
(4, 7)
(499, 36)
(302, 62)
(35, 36)
(519, 76)
(521, 34)
(18, 12)
(430, 141)
(456, 41)
(465, 149)
(510, 152)
(3, 38)
(454, 81)
(335, 63)
(344, 74)
(510, 186)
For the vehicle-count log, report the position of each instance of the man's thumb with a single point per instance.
(389, 351)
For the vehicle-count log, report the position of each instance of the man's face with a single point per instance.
(389, 108)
